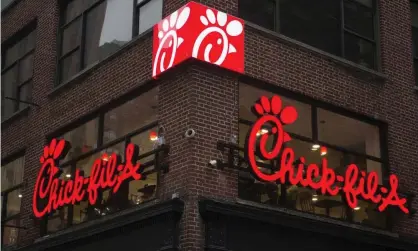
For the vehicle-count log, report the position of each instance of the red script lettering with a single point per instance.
(106, 172)
(355, 182)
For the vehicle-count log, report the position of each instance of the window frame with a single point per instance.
(8, 44)
(81, 47)
(343, 30)
(18, 155)
(315, 105)
(126, 139)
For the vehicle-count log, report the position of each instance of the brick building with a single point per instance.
(82, 71)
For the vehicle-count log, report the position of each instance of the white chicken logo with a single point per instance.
(170, 25)
(234, 28)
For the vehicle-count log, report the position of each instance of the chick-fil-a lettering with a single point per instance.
(106, 172)
(318, 177)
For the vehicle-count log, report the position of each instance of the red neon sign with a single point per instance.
(106, 172)
(355, 182)
(200, 32)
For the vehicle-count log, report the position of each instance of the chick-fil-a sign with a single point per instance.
(106, 172)
(197, 31)
(353, 184)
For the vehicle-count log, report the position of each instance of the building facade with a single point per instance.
(84, 71)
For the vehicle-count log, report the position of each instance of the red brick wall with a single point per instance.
(200, 97)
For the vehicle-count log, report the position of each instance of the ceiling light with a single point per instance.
(153, 136)
(20, 195)
(314, 199)
(315, 147)
(68, 175)
(323, 151)
(357, 208)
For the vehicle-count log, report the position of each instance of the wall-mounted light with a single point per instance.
(357, 208)
(68, 175)
(20, 196)
(323, 151)
(314, 197)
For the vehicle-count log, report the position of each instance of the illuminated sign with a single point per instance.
(353, 184)
(51, 192)
(200, 32)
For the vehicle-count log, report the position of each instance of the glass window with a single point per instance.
(249, 95)
(150, 13)
(319, 24)
(12, 173)
(5, 3)
(108, 26)
(135, 114)
(131, 122)
(11, 232)
(11, 198)
(83, 139)
(17, 70)
(344, 141)
(261, 13)
(351, 134)
(359, 50)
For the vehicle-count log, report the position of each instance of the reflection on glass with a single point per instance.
(249, 95)
(259, 12)
(141, 191)
(368, 214)
(82, 212)
(358, 17)
(83, 139)
(348, 133)
(109, 26)
(14, 200)
(145, 144)
(58, 220)
(131, 115)
(10, 234)
(150, 14)
(12, 173)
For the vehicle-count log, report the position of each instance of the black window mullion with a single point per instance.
(16, 88)
(100, 132)
(82, 40)
(351, 32)
(314, 123)
(277, 16)
(135, 19)
(70, 206)
(342, 28)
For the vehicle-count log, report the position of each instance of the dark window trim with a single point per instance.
(99, 114)
(111, 104)
(10, 158)
(315, 104)
(62, 6)
(17, 37)
(9, 7)
(374, 41)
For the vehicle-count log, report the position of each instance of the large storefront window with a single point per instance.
(317, 133)
(110, 132)
(11, 197)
